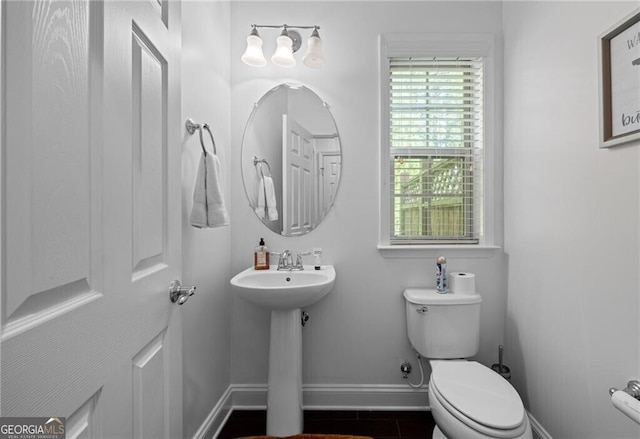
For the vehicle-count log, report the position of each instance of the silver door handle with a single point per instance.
(180, 294)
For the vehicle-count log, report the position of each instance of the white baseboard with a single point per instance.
(364, 397)
(538, 430)
(329, 397)
(218, 415)
(316, 397)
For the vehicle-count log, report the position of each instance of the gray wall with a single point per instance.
(571, 224)
(206, 263)
(571, 210)
(357, 334)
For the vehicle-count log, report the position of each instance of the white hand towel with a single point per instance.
(269, 189)
(208, 202)
(261, 203)
(266, 207)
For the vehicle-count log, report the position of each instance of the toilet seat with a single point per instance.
(478, 397)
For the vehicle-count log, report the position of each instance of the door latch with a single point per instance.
(180, 294)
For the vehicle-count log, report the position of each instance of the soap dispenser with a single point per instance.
(261, 256)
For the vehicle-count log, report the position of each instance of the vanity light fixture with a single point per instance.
(289, 41)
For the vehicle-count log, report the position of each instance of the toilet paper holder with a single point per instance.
(632, 389)
(627, 400)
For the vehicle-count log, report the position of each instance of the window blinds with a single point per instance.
(436, 149)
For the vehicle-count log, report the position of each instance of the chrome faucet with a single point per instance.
(285, 261)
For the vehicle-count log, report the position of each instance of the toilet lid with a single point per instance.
(479, 393)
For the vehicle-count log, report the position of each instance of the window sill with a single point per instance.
(424, 251)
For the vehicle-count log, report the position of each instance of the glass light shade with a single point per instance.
(284, 54)
(253, 56)
(314, 56)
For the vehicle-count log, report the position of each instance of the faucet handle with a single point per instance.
(299, 265)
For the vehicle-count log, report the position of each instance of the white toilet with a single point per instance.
(468, 400)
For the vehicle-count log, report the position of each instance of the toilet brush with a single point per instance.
(500, 368)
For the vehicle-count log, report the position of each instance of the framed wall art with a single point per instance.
(619, 82)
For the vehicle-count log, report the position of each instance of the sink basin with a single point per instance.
(284, 290)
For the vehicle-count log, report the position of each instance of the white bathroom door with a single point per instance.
(329, 175)
(91, 233)
(298, 199)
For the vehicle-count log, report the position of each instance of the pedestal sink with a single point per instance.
(284, 293)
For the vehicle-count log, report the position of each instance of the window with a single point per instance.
(439, 161)
(435, 148)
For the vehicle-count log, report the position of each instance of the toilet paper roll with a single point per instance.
(462, 283)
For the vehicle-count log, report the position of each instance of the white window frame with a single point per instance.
(443, 45)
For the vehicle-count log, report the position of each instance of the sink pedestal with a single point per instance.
(284, 397)
(285, 293)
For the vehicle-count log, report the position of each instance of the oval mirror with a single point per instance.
(291, 159)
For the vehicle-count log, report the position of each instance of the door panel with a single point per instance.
(149, 394)
(91, 166)
(298, 197)
(51, 268)
(82, 423)
(149, 155)
(329, 176)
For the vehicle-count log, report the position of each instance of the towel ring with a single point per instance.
(257, 161)
(192, 127)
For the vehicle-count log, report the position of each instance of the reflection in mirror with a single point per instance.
(291, 159)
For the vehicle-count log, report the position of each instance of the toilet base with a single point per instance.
(438, 434)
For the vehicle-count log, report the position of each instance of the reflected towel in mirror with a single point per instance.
(208, 202)
(266, 207)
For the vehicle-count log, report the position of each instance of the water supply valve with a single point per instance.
(405, 368)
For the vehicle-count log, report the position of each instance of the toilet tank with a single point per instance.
(443, 325)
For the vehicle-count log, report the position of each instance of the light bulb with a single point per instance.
(284, 53)
(253, 56)
(314, 56)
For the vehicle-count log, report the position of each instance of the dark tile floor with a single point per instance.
(377, 424)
